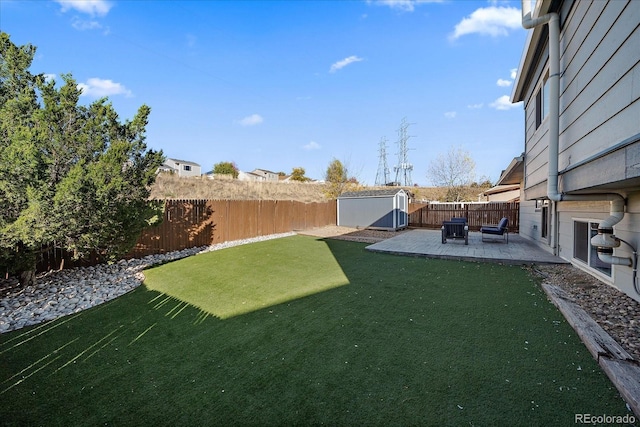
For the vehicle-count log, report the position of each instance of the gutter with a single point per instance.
(605, 240)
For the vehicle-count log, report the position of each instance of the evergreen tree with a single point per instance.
(71, 176)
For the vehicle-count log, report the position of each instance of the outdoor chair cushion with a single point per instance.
(457, 228)
(459, 219)
(501, 229)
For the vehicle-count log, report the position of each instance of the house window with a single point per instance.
(542, 102)
(544, 220)
(583, 231)
(538, 108)
(186, 167)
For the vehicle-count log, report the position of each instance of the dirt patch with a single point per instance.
(352, 234)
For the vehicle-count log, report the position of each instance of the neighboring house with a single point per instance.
(267, 175)
(182, 168)
(250, 176)
(579, 80)
(502, 193)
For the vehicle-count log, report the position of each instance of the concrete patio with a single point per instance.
(428, 243)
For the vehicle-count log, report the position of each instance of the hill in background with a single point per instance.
(170, 186)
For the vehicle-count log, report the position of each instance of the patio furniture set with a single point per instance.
(458, 229)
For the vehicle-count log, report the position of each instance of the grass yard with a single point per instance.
(308, 331)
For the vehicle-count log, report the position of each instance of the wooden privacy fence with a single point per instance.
(477, 214)
(190, 223)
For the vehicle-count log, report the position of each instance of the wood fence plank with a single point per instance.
(191, 223)
(477, 214)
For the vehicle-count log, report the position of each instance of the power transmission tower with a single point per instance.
(382, 176)
(404, 168)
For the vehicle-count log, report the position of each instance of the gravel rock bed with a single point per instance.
(64, 292)
(614, 311)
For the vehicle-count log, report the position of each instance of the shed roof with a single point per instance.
(371, 193)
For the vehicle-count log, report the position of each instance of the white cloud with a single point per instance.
(83, 25)
(312, 146)
(514, 73)
(475, 106)
(402, 5)
(504, 83)
(343, 63)
(98, 88)
(492, 21)
(90, 7)
(450, 114)
(252, 120)
(504, 103)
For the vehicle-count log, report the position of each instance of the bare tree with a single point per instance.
(454, 170)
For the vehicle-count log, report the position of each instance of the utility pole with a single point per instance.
(382, 176)
(404, 168)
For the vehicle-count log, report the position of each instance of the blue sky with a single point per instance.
(283, 84)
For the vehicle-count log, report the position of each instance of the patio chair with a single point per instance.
(457, 228)
(501, 229)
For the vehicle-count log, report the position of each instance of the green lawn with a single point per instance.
(307, 331)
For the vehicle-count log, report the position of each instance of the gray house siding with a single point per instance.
(599, 91)
(599, 97)
(536, 144)
(627, 229)
(531, 224)
(568, 212)
(599, 132)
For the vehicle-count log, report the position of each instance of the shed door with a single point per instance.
(401, 210)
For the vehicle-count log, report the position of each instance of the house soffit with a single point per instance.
(533, 50)
(514, 173)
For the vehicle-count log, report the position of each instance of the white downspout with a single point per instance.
(604, 238)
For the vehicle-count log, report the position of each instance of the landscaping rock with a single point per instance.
(59, 293)
(614, 311)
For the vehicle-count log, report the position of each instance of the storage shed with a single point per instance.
(375, 209)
